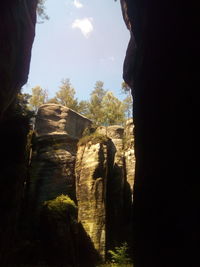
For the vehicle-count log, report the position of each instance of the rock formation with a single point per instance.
(104, 199)
(161, 68)
(92, 174)
(129, 153)
(57, 131)
(161, 64)
(17, 30)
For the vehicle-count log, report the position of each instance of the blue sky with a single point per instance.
(85, 41)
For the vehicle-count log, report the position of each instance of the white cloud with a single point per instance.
(77, 4)
(85, 26)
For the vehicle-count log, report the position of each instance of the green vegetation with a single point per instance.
(62, 207)
(103, 108)
(41, 11)
(95, 109)
(66, 95)
(120, 255)
(128, 101)
(38, 98)
(113, 110)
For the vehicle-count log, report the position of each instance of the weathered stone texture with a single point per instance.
(115, 185)
(54, 119)
(113, 213)
(53, 161)
(129, 153)
(91, 182)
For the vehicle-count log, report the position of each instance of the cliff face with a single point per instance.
(17, 29)
(92, 174)
(103, 193)
(129, 153)
(57, 131)
(160, 68)
(17, 33)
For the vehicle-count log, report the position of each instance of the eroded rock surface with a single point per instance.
(57, 131)
(129, 153)
(55, 119)
(103, 193)
(92, 170)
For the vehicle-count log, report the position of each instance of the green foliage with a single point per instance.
(39, 97)
(95, 104)
(83, 108)
(94, 138)
(103, 108)
(41, 11)
(62, 207)
(21, 106)
(113, 110)
(53, 100)
(125, 88)
(66, 95)
(120, 255)
(128, 106)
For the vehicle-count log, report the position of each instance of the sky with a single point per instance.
(85, 41)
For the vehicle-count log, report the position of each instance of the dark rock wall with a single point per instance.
(160, 66)
(17, 32)
(17, 29)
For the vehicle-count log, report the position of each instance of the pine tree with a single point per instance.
(66, 95)
(39, 97)
(113, 110)
(95, 104)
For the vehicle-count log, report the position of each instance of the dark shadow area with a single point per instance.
(13, 171)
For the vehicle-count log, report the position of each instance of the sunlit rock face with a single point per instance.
(55, 119)
(129, 153)
(57, 130)
(116, 186)
(102, 190)
(92, 169)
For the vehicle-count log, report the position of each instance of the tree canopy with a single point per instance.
(41, 11)
(39, 97)
(66, 95)
(103, 107)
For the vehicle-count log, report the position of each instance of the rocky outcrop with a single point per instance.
(164, 75)
(160, 66)
(103, 193)
(92, 174)
(17, 30)
(54, 119)
(17, 33)
(129, 153)
(57, 131)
